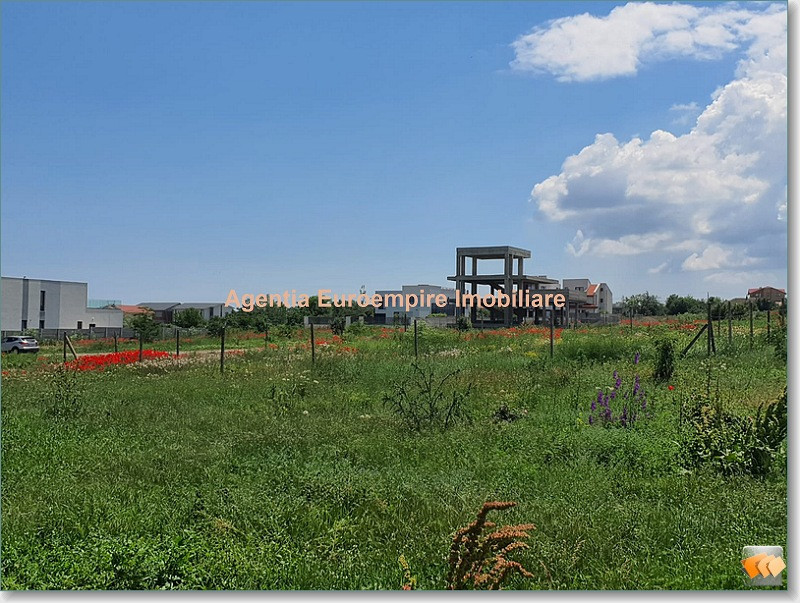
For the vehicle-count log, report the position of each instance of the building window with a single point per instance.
(211, 312)
(601, 300)
(92, 325)
(41, 324)
(41, 301)
(80, 324)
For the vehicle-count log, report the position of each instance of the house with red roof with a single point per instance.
(601, 299)
(770, 294)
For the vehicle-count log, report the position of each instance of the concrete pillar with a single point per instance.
(507, 285)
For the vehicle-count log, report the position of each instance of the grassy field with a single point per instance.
(280, 474)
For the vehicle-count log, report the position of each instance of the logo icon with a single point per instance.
(763, 565)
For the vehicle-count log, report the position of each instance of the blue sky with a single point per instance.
(166, 151)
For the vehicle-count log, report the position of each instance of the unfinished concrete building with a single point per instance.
(510, 281)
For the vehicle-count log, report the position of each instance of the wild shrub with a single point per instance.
(338, 325)
(479, 560)
(780, 343)
(463, 323)
(732, 444)
(64, 393)
(427, 400)
(665, 360)
(144, 325)
(215, 326)
(505, 414)
(356, 328)
(588, 349)
(189, 318)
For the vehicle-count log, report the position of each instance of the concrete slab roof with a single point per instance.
(158, 306)
(493, 252)
(500, 278)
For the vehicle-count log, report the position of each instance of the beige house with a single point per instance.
(601, 299)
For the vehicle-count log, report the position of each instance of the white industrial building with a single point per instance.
(45, 304)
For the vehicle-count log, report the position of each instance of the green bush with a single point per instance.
(215, 326)
(64, 393)
(578, 347)
(665, 360)
(733, 444)
(338, 325)
(144, 326)
(189, 318)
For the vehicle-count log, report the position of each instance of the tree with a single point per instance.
(643, 304)
(143, 325)
(188, 318)
(677, 304)
(764, 304)
(215, 325)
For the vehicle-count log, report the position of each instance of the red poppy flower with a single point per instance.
(671, 387)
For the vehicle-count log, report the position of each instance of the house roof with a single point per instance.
(759, 289)
(157, 306)
(127, 309)
(200, 305)
(591, 290)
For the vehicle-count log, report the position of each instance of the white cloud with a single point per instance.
(690, 107)
(662, 267)
(744, 278)
(717, 192)
(579, 245)
(587, 47)
(686, 112)
(713, 258)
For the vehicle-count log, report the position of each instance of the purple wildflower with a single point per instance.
(636, 358)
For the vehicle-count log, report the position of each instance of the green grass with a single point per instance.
(284, 475)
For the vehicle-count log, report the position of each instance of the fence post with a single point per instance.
(710, 327)
(416, 343)
(65, 347)
(116, 347)
(313, 347)
(141, 343)
(769, 312)
(631, 320)
(730, 325)
(552, 324)
(222, 352)
(177, 342)
(750, 305)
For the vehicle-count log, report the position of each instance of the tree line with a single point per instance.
(646, 304)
